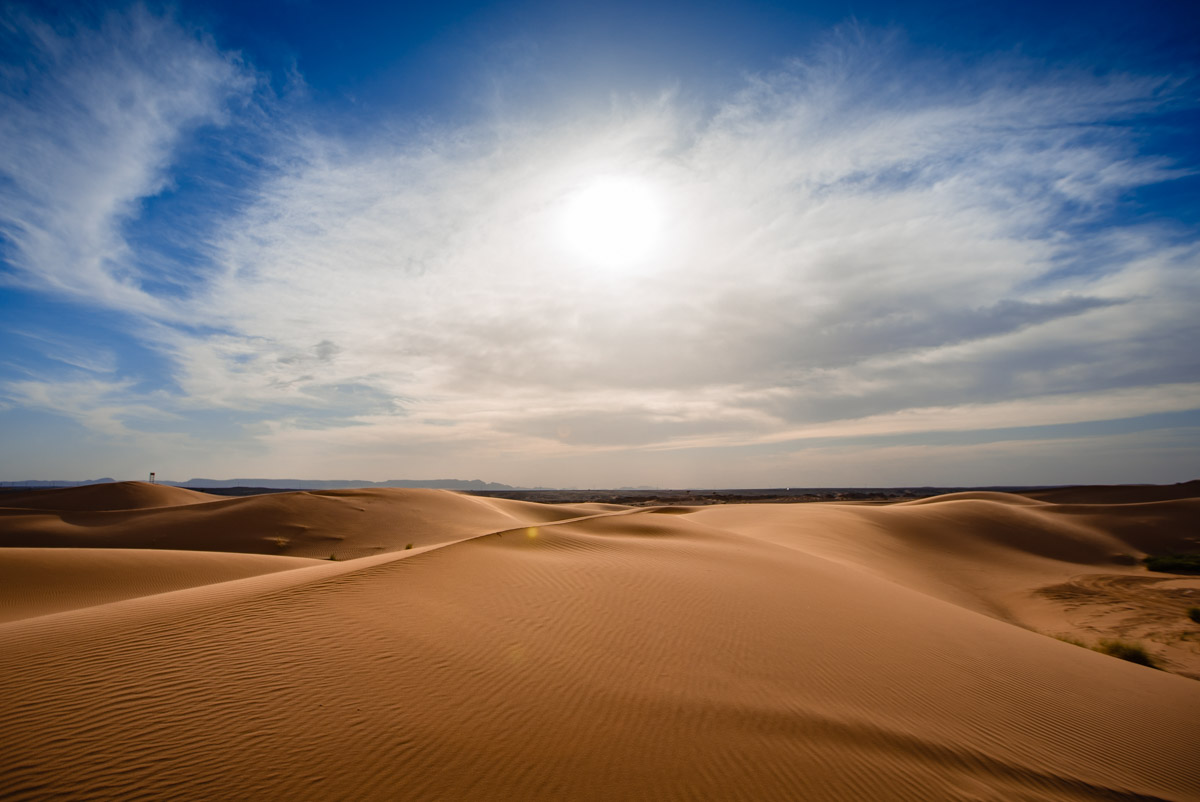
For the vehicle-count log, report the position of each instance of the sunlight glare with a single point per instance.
(612, 222)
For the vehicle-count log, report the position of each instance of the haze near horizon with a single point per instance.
(601, 245)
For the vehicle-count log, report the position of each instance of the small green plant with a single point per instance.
(1132, 652)
(1194, 614)
(333, 558)
(1174, 563)
(409, 546)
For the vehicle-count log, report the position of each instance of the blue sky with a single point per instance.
(584, 244)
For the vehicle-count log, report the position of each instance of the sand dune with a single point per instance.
(521, 651)
(317, 523)
(114, 496)
(1117, 494)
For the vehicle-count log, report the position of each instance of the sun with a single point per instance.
(612, 222)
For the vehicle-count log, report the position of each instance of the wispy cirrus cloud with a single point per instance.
(101, 406)
(853, 242)
(92, 119)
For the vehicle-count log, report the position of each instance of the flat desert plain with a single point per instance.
(159, 643)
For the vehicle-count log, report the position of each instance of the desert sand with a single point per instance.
(159, 643)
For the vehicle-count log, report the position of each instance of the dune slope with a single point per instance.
(742, 652)
(36, 582)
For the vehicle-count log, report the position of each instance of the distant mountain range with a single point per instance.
(335, 484)
(287, 484)
(57, 482)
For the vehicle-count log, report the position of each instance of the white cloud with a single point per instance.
(858, 242)
(818, 226)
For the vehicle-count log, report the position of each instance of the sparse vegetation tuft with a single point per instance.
(1174, 563)
(1132, 652)
(1194, 614)
(1070, 640)
(333, 558)
(409, 546)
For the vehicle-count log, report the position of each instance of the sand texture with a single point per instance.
(165, 644)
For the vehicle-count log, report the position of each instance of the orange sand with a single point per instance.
(167, 644)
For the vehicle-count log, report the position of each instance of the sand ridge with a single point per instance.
(820, 651)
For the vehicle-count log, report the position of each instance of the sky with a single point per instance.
(580, 244)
